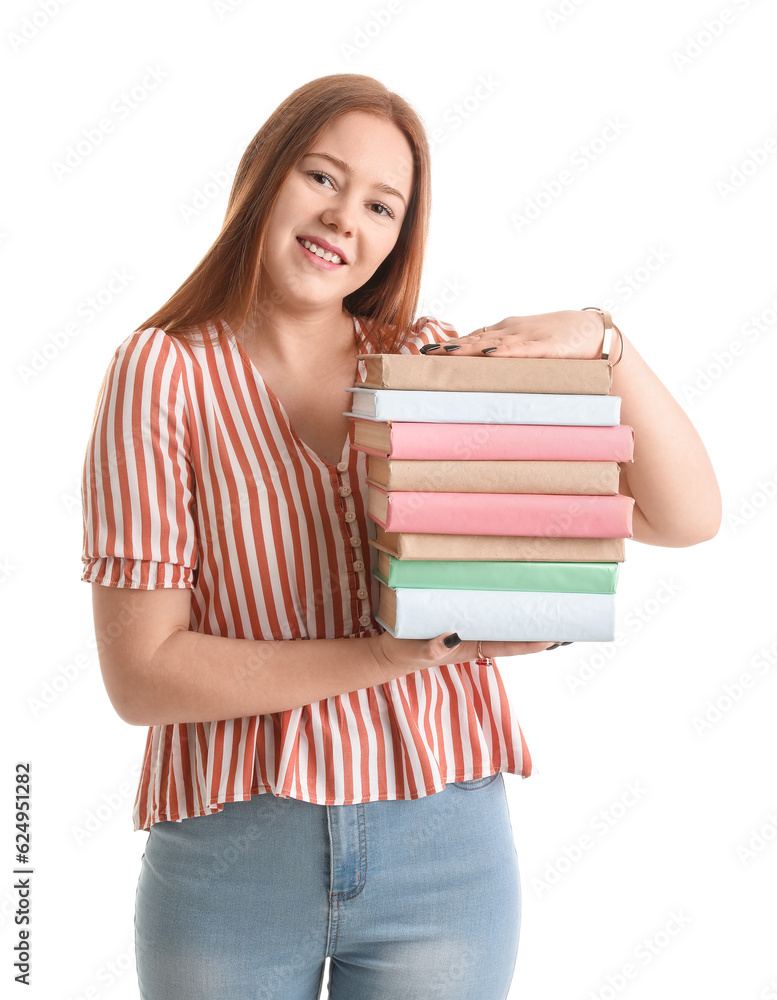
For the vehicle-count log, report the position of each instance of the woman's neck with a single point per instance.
(287, 344)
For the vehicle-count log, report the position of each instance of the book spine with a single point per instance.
(506, 616)
(508, 514)
(422, 545)
(553, 577)
(510, 442)
(413, 475)
(479, 374)
(487, 408)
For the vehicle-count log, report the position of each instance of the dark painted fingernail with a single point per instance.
(555, 644)
(452, 347)
(430, 347)
(566, 643)
(488, 350)
(451, 640)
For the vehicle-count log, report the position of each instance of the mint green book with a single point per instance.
(547, 577)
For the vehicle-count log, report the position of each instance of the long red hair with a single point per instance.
(225, 284)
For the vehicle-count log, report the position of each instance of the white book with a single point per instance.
(499, 615)
(485, 407)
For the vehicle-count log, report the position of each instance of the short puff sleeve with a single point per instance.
(427, 330)
(137, 489)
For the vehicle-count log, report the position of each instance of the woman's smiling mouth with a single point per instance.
(323, 254)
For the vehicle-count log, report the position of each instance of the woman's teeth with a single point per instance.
(320, 252)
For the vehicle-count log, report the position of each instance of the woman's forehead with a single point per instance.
(366, 143)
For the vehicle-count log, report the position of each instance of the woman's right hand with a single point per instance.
(397, 657)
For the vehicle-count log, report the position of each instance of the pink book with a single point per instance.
(517, 442)
(528, 514)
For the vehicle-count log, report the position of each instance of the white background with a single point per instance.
(536, 87)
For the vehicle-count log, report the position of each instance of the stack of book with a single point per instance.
(493, 485)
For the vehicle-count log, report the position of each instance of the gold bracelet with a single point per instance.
(608, 326)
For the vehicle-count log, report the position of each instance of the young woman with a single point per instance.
(341, 796)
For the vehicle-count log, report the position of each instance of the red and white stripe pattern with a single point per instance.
(194, 477)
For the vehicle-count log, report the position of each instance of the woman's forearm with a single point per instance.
(194, 677)
(676, 493)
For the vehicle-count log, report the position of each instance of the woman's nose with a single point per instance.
(341, 213)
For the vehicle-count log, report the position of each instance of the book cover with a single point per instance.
(493, 442)
(484, 407)
(554, 577)
(493, 477)
(498, 615)
(571, 516)
(484, 374)
(423, 545)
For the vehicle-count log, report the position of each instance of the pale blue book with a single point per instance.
(498, 615)
(485, 407)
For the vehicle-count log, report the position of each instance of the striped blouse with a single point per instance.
(194, 477)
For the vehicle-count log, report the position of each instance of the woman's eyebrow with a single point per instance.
(349, 170)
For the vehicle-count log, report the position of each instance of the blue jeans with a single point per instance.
(412, 899)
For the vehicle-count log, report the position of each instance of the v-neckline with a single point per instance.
(260, 378)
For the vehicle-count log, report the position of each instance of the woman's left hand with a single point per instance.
(570, 333)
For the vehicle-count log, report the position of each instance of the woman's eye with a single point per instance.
(319, 173)
(379, 204)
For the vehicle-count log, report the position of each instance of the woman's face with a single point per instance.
(350, 190)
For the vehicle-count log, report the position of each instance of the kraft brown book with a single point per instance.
(471, 374)
(412, 545)
(493, 477)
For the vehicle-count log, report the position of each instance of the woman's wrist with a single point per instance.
(387, 667)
